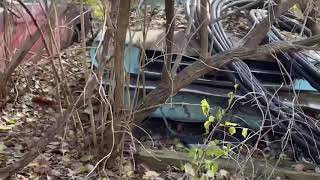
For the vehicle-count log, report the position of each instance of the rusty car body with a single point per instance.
(18, 26)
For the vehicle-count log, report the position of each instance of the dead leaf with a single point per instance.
(33, 164)
(298, 167)
(20, 115)
(11, 122)
(86, 158)
(130, 174)
(43, 101)
(66, 159)
(90, 167)
(150, 175)
(189, 169)
(71, 173)
(56, 173)
(2, 147)
(3, 160)
(83, 170)
(4, 128)
(223, 174)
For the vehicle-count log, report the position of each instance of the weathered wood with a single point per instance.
(255, 168)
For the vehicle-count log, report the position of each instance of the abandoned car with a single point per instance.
(274, 91)
(17, 26)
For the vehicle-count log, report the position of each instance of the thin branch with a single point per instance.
(170, 24)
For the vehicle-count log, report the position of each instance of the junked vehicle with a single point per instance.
(15, 32)
(274, 91)
(184, 106)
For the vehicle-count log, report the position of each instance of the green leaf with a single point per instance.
(199, 153)
(214, 168)
(188, 169)
(236, 86)
(178, 143)
(212, 144)
(203, 177)
(195, 153)
(218, 152)
(4, 128)
(2, 147)
(227, 123)
(207, 125)
(83, 169)
(232, 130)
(205, 107)
(195, 178)
(209, 153)
(192, 152)
(229, 146)
(86, 158)
(96, 8)
(216, 141)
(231, 96)
(208, 163)
(297, 11)
(11, 122)
(244, 132)
(211, 119)
(220, 114)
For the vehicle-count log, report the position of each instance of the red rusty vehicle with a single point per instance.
(19, 27)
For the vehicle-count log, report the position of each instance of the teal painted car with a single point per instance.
(185, 105)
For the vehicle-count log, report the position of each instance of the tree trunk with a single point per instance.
(3, 90)
(204, 29)
(119, 75)
(170, 23)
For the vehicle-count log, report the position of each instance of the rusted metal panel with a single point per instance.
(155, 40)
(22, 27)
